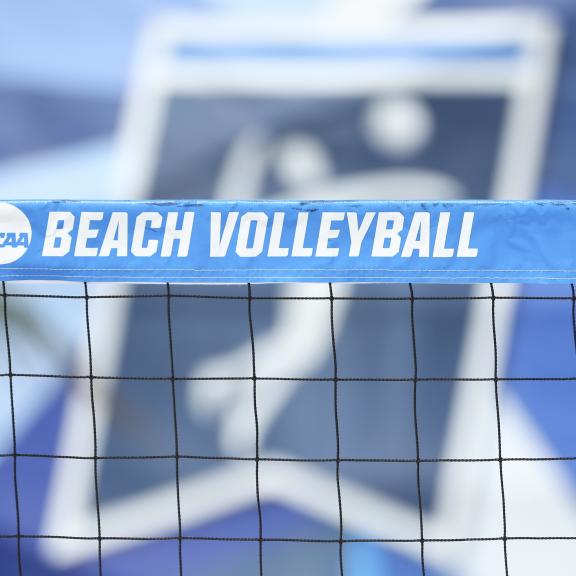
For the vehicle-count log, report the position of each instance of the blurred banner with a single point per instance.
(334, 100)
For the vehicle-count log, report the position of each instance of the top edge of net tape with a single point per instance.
(196, 241)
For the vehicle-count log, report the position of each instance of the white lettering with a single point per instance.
(464, 250)
(326, 233)
(86, 233)
(173, 234)
(116, 237)
(358, 232)
(298, 248)
(418, 237)
(57, 241)
(261, 221)
(142, 220)
(274, 249)
(383, 234)
(220, 241)
(440, 250)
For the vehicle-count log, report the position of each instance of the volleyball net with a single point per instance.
(327, 385)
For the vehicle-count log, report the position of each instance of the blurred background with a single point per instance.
(307, 99)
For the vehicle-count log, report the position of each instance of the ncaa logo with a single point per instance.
(15, 233)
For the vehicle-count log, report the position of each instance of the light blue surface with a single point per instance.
(515, 242)
(394, 51)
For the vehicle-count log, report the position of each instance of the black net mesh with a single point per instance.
(183, 380)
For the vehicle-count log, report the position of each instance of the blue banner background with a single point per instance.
(516, 242)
